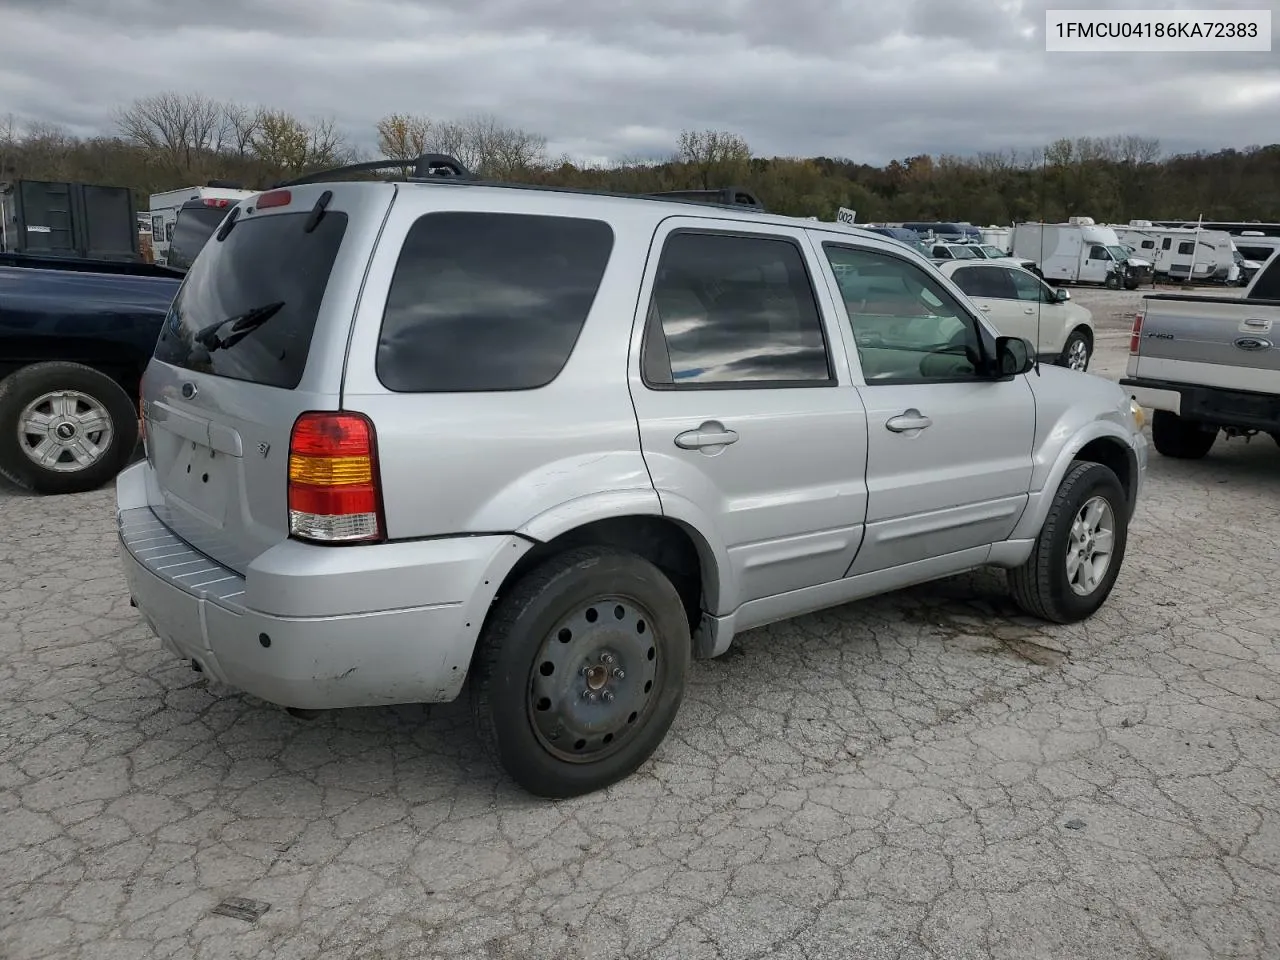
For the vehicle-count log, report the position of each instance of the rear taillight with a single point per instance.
(333, 479)
(1135, 335)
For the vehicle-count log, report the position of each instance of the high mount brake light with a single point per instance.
(334, 491)
(274, 198)
(213, 202)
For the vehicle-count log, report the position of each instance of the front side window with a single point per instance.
(489, 301)
(1098, 252)
(908, 329)
(732, 309)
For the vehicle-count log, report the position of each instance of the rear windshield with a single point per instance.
(192, 229)
(266, 265)
(489, 301)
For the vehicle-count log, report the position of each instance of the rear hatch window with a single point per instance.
(248, 306)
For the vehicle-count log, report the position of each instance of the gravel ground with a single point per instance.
(926, 775)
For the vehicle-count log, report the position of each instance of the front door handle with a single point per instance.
(1029, 310)
(912, 419)
(710, 434)
(986, 308)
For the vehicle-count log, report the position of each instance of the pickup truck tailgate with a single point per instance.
(1225, 342)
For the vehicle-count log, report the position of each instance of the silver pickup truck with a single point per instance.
(1207, 365)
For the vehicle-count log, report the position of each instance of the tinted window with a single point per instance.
(1148, 244)
(191, 231)
(731, 309)
(1267, 283)
(1166, 243)
(1186, 247)
(990, 282)
(489, 301)
(1098, 252)
(907, 327)
(1260, 254)
(1028, 287)
(264, 261)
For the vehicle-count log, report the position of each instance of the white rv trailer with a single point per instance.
(1079, 251)
(1182, 252)
(165, 206)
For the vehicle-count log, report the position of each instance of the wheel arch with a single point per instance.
(674, 546)
(1100, 442)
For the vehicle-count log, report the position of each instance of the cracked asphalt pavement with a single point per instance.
(925, 775)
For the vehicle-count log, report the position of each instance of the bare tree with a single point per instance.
(241, 125)
(181, 129)
(404, 136)
(285, 143)
(713, 154)
(482, 143)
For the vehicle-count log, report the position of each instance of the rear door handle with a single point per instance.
(910, 420)
(986, 307)
(710, 434)
(1029, 310)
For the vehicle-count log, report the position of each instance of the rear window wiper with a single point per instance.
(241, 326)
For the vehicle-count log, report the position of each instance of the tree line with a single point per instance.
(172, 140)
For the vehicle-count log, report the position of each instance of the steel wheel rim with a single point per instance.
(1090, 546)
(65, 431)
(595, 680)
(1078, 355)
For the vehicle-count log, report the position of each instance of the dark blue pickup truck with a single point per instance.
(75, 336)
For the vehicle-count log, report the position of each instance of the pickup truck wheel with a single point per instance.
(580, 671)
(64, 428)
(1078, 554)
(1181, 439)
(1076, 352)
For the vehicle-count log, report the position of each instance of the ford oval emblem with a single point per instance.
(189, 389)
(1252, 343)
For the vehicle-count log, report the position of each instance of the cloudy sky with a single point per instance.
(607, 79)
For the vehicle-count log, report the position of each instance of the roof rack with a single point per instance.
(426, 166)
(439, 167)
(725, 196)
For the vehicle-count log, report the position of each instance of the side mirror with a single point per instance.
(1061, 295)
(1014, 356)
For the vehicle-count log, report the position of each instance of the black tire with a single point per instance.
(1181, 439)
(1077, 337)
(541, 608)
(1113, 282)
(1041, 586)
(27, 385)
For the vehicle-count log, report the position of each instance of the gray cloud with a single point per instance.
(856, 78)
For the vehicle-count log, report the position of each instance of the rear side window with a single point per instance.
(985, 282)
(191, 231)
(248, 306)
(489, 301)
(731, 310)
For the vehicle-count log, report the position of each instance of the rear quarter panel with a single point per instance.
(537, 461)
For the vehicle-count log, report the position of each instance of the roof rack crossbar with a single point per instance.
(724, 196)
(426, 166)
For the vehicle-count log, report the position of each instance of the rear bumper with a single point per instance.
(412, 644)
(1212, 405)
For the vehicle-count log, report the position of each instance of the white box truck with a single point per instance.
(165, 207)
(1080, 251)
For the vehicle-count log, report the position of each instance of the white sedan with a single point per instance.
(1020, 304)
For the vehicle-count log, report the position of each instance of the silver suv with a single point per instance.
(401, 436)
